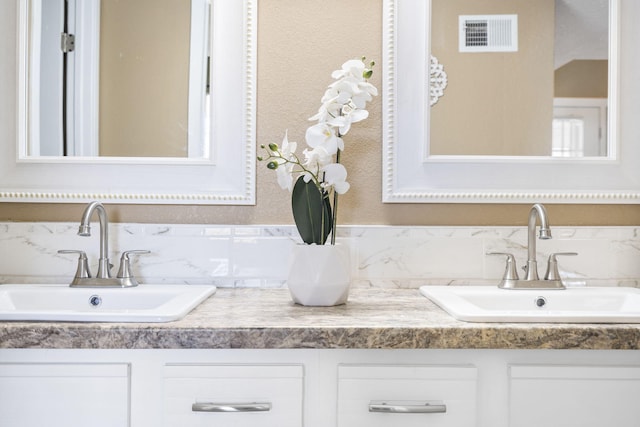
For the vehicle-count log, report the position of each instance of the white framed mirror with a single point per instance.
(220, 129)
(416, 169)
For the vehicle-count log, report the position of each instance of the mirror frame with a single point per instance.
(411, 175)
(228, 177)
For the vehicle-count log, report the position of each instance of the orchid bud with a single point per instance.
(273, 147)
(272, 165)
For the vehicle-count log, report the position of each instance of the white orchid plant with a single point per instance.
(318, 175)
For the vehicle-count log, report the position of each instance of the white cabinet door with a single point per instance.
(406, 396)
(233, 395)
(64, 395)
(574, 396)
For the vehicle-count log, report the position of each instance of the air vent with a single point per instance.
(488, 33)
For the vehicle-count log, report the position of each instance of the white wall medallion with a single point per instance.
(437, 80)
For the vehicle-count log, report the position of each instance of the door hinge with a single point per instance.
(67, 42)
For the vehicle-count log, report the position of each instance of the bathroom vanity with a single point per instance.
(251, 357)
(248, 356)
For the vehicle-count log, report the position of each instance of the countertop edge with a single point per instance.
(267, 319)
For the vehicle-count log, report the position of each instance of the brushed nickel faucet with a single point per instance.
(537, 211)
(552, 280)
(124, 278)
(104, 266)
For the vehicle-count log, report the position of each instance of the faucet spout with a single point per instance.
(104, 266)
(537, 212)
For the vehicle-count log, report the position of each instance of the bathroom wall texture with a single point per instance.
(582, 79)
(504, 99)
(144, 78)
(299, 43)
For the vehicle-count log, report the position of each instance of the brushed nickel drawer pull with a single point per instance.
(231, 407)
(404, 407)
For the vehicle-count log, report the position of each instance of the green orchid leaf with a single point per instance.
(311, 212)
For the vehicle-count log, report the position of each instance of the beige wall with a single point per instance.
(144, 77)
(582, 79)
(299, 43)
(501, 98)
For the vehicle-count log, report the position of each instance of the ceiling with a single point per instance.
(581, 30)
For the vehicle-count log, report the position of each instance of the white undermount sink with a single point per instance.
(572, 305)
(143, 303)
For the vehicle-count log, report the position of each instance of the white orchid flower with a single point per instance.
(348, 114)
(355, 91)
(315, 160)
(288, 149)
(368, 88)
(350, 88)
(286, 162)
(346, 87)
(339, 116)
(353, 67)
(285, 179)
(365, 94)
(326, 111)
(331, 106)
(324, 135)
(335, 175)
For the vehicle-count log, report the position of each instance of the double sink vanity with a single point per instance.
(523, 352)
(188, 355)
(251, 357)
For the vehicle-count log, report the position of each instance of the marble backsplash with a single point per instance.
(257, 256)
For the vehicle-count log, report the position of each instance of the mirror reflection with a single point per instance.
(524, 78)
(123, 78)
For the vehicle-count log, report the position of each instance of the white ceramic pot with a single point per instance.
(319, 275)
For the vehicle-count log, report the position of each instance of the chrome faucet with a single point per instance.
(124, 278)
(104, 266)
(537, 211)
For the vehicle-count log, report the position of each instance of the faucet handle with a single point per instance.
(82, 272)
(552, 265)
(124, 272)
(510, 272)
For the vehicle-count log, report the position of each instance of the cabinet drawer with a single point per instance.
(238, 395)
(64, 394)
(585, 396)
(377, 396)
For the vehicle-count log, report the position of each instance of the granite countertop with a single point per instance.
(267, 319)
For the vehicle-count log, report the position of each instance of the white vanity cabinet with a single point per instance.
(585, 396)
(64, 394)
(238, 395)
(319, 388)
(406, 396)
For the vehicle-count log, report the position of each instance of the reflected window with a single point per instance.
(579, 127)
(568, 137)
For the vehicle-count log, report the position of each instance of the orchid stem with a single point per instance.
(335, 208)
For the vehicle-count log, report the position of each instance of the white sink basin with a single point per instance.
(573, 305)
(144, 303)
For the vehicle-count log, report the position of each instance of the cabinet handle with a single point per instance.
(231, 407)
(423, 407)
